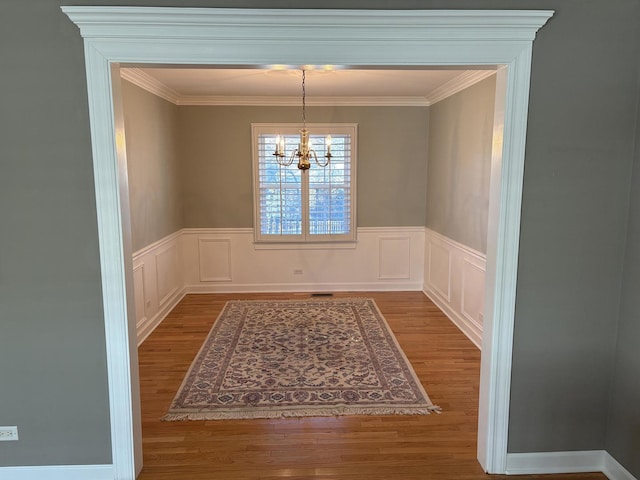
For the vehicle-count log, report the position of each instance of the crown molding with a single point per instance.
(457, 84)
(272, 101)
(152, 85)
(162, 23)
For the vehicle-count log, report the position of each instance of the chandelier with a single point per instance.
(304, 153)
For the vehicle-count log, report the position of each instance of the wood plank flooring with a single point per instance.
(346, 448)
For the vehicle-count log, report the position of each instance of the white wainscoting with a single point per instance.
(217, 260)
(158, 282)
(226, 260)
(454, 277)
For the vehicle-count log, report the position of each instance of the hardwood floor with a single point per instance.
(346, 448)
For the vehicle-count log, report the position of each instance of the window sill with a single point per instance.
(344, 245)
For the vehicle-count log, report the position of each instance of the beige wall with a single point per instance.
(153, 165)
(460, 138)
(215, 150)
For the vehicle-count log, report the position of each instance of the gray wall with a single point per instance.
(576, 195)
(459, 168)
(215, 149)
(53, 382)
(623, 427)
(576, 191)
(153, 166)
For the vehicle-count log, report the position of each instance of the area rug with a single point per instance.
(295, 358)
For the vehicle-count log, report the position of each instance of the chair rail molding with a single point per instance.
(385, 38)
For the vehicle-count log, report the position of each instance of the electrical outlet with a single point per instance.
(8, 434)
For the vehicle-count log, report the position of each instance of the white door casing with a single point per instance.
(371, 38)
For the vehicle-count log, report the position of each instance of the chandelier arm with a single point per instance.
(285, 163)
(281, 159)
(320, 164)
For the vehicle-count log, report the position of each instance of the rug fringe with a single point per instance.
(311, 412)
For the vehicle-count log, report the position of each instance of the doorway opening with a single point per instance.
(212, 136)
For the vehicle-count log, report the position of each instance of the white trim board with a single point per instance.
(614, 469)
(567, 462)
(359, 38)
(157, 244)
(58, 472)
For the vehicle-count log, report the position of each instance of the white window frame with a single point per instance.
(305, 237)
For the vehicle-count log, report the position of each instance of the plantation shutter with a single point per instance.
(280, 192)
(330, 190)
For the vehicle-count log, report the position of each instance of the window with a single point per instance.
(315, 205)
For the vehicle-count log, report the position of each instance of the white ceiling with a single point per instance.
(209, 85)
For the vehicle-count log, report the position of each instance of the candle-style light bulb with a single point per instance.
(278, 139)
(328, 143)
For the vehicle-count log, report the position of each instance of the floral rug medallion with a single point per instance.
(269, 359)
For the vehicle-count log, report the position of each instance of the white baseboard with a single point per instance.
(566, 462)
(614, 471)
(58, 472)
(306, 287)
(150, 325)
(554, 462)
(469, 329)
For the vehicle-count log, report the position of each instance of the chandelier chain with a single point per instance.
(304, 103)
(304, 153)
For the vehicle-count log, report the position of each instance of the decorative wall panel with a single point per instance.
(139, 294)
(167, 273)
(214, 259)
(395, 258)
(439, 273)
(455, 282)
